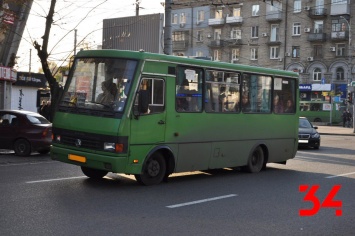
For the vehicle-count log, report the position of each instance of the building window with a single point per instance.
(255, 31)
(274, 52)
(297, 6)
(236, 34)
(317, 74)
(236, 12)
(318, 26)
(337, 26)
(199, 36)
(217, 34)
(199, 54)
(178, 36)
(235, 54)
(340, 73)
(254, 54)
(255, 10)
(340, 49)
(200, 16)
(218, 14)
(216, 55)
(295, 51)
(274, 36)
(296, 28)
(174, 18)
(318, 51)
(182, 18)
(339, 1)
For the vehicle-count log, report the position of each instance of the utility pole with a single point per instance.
(168, 45)
(137, 7)
(75, 33)
(29, 66)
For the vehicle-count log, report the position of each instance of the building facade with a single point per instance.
(312, 37)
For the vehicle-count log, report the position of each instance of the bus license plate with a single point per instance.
(77, 158)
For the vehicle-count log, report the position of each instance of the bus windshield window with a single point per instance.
(99, 84)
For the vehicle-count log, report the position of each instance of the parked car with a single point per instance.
(24, 132)
(307, 134)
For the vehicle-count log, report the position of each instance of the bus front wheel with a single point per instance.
(93, 173)
(153, 171)
(256, 160)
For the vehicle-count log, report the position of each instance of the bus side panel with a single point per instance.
(193, 156)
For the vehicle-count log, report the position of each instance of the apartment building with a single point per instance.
(312, 37)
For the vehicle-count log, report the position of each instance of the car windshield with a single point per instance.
(99, 84)
(37, 119)
(304, 124)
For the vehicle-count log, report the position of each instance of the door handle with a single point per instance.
(161, 122)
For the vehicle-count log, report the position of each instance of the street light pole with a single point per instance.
(349, 67)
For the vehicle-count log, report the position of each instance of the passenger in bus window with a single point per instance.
(105, 97)
(182, 103)
(245, 102)
(289, 107)
(278, 106)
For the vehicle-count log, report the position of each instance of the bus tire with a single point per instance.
(154, 170)
(93, 173)
(256, 160)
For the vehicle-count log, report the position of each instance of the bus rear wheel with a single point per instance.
(153, 171)
(256, 160)
(93, 173)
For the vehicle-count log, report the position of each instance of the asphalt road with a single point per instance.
(44, 197)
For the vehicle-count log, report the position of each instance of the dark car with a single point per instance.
(307, 134)
(24, 132)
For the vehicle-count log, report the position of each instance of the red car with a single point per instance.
(24, 132)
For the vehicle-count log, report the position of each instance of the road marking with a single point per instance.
(49, 180)
(27, 163)
(334, 176)
(201, 201)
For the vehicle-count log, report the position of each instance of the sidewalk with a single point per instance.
(335, 130)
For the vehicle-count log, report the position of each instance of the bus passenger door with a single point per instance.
(148, 123)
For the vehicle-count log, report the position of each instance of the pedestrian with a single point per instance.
(349, 118)
(345, 117)
(46, 110)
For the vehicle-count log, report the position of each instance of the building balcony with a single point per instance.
(274, 42)
(342, 8)
(317, 13)
(233, 42)
(317, 37)
(273, 16)
(216, 21)
(339, 36)
(180, 45)
(234, 20)
(217, 43)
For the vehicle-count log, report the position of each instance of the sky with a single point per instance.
(86, 16)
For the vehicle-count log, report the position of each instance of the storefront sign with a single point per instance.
(305, 87)
(6, 73)
(31, 79)
(321, 87)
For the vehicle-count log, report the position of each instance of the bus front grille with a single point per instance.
(83, 143)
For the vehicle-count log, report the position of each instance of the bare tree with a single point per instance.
(42, 52)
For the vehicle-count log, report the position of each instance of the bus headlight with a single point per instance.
(113, 147)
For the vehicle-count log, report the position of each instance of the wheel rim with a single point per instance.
(153, 168)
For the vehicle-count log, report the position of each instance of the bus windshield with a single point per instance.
(98, 84)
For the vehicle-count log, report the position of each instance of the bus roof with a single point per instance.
(140, 55)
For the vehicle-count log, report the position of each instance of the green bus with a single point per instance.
(170, 114)
(322, 111)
